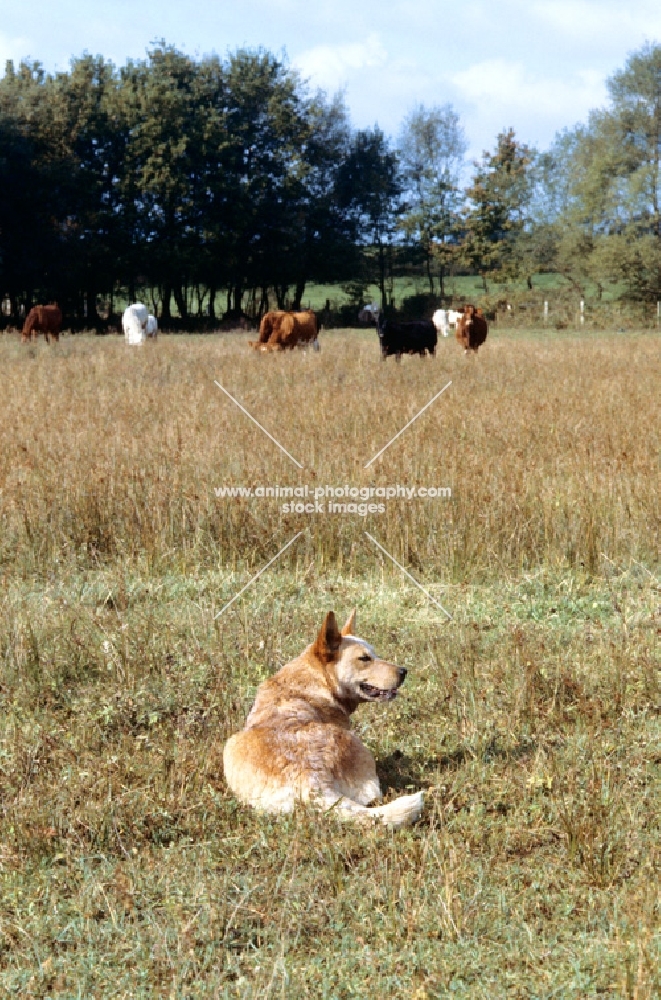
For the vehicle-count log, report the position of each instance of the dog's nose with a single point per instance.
(402, 671)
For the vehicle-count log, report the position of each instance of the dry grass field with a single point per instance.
(533, 717)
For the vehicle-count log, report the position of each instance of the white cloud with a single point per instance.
(12, 48)
(331, 67)
(593, 22)
(534, 105)
(507, 84)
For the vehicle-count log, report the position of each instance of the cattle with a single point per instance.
(134, 323)
(42, 319)
(308, 328)
(267, 325)
(444, 319)
(471, 329)
(369, 313)
(440, 321)
(406, 338)
(282, 331)
(151, 329)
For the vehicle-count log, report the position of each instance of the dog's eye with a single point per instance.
(365, 658)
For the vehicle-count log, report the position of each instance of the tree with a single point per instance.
(37, 188)
(608, 227)
(369, 188)
(431, 147)
(163, 170)
(500, 197)
(84, 102)
(320, 239)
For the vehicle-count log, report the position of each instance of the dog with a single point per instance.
(297, 743)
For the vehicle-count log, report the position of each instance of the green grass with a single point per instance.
(470, 287)
(532, 718)
(316, 295)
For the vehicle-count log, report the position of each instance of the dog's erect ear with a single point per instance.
(328, 641)
(350, 624)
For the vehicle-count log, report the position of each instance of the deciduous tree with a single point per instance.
(431, 148)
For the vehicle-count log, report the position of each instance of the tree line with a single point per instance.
(222, 186)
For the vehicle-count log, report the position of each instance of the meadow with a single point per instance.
(532, 716)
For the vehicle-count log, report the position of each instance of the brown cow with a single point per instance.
(42, 319)
(269, 321)
(308, 328)
(471, 329)
(282, 331)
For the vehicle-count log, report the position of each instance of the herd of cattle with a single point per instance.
(137, 323)
(282, 330)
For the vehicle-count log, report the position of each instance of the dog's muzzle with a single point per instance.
(372, 693)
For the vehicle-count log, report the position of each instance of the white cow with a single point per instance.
(152, 326)
(134, 323)
(443, 319)
(440, 321)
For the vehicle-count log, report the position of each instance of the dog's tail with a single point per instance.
(404, 811)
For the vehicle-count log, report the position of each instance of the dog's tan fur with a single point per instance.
(297, 742)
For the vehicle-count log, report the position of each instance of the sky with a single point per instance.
(537, 66)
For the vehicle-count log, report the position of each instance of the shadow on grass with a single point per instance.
(399, 773)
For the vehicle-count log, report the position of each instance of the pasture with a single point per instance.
(533, 717)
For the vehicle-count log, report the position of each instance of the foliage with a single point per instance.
(607, 225)
(185, 179)
(499, 200)
(431, 150)
(179, 175)
(369, 187)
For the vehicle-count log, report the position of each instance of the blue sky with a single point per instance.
(535, 65)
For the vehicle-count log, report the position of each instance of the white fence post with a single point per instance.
(546, 311)
(582, 312)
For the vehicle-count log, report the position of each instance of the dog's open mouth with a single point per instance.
(372, 693)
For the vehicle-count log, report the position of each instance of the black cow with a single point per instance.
(406, 338)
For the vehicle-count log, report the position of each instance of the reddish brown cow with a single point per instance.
(471, 329)
(42, 319)
(308, 327)
(269, 322)
(282, 331)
